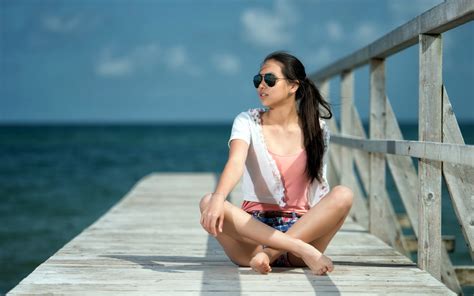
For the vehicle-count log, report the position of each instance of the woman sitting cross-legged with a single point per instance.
(289, 214)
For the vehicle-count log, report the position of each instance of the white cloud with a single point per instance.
(334, 30)
(141, 57)
(110, 66)
(226, 63)
(145, 57)
(58, 24)
(115, 67)
(266, 27)
(146, 54)
(177, 59)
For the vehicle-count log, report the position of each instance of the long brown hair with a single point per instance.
(310, 101)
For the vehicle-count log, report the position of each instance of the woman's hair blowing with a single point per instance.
(310, 101)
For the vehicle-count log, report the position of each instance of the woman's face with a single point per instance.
(282, 92)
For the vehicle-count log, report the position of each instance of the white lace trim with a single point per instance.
(324, 184)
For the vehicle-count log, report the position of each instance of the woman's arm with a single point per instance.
(212, 218)
(234, 167)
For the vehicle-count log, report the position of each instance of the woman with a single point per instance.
(288, 216)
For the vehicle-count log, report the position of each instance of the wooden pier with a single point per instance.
(151, 243)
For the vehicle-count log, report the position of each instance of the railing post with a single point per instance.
(323, 86)
(377, 160)
(347, 94)
(332, 174)
(429, 172)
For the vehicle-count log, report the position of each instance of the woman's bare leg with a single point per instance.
(242, 235)
(317, 227)
(239, 249)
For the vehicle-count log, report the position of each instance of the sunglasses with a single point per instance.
(269, 78)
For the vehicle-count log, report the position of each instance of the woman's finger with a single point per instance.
(221, 223)
(208, 224)
(212, 224)
(204, 222)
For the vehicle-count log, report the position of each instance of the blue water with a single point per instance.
(57, 180)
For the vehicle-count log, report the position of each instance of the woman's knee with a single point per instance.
(344, 196)
(204, 201)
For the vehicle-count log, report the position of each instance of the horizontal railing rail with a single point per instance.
(453, 153)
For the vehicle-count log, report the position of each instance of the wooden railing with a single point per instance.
(440, 150)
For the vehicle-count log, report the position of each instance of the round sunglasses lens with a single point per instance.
(257, 79)
(270, 79)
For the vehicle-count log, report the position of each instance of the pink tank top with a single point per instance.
(295, 181)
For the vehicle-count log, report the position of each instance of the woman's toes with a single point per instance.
(261, 263)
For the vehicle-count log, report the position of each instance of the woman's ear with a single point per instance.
(294, 87)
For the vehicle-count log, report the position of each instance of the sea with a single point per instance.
(57, 179)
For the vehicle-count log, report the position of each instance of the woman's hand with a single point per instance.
(212, 218)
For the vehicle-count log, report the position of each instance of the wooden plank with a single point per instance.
(465, 274)
(439, 19)
(404, 174)
(347, 97)
(346, 156)
(453, 153)
(448, 274)
(459, 178)
(151, 243)
(332, 171)
(227, 288)
(449, 242)
(377, 213)
(403, 220)
(403, 171)
(394, 235)
(361, 158)
(359, 210)
(429, 172)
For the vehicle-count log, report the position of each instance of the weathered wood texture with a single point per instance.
(151, 243)
(388, 229)
(359, 210)
(403, 171)
(449, 242)
(453, 153)
(459, 178)
(440, 148)
(465, 274)
(430, 128)
(347, 100)
(377, 211)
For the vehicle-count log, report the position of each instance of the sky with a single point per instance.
(185, 61)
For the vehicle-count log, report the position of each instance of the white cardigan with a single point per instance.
(261, 181)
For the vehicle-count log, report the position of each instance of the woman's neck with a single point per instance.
(284, 116)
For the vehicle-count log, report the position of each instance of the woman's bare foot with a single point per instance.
(317, 262)
(261, 263)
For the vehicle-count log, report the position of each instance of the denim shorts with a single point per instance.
(281, 222)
